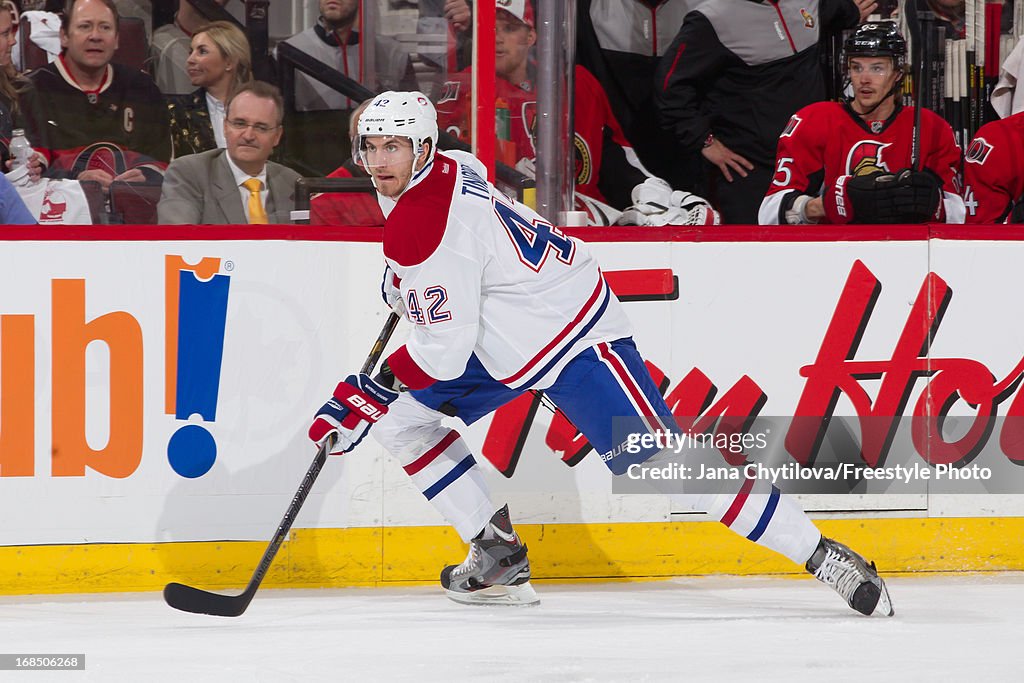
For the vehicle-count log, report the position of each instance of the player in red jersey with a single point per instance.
(993, 172)
(849, 162)
(609, 175)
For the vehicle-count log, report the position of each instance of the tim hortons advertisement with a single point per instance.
(156, 391)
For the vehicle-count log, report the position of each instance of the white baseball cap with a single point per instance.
(520, 9)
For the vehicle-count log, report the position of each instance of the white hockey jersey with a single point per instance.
(481, 273)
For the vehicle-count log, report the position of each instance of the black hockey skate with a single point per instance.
(851, 576)
(496, 571)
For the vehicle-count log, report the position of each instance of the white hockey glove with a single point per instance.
(598, 213)
(797, 214)
(390, 292)
(655, 203)
(527, 167)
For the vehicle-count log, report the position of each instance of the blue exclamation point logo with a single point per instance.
(196, 314)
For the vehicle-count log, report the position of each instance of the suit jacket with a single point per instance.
(200, 189)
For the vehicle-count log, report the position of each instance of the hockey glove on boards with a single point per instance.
(655, 203)
(887, 198)
(357, 404)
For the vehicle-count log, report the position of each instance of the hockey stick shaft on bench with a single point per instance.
(189, 599)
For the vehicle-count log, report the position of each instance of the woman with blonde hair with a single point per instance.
(219, 62)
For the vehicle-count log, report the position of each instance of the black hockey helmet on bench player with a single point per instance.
(877, 39)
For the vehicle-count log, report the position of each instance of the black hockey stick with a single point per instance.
(189, 599)
(914, 28)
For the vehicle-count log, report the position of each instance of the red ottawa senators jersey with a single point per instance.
(994, 170)
(826, 141)
(591, 117)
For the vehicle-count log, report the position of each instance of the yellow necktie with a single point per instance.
(256, 212)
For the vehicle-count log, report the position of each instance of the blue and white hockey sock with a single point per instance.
(450, 479)
(763, 514)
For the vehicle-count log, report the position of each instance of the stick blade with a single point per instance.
(189, 599)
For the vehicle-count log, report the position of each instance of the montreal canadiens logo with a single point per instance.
(866, 157)
(978, 152)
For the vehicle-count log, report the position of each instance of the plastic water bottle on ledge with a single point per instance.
(21, 150)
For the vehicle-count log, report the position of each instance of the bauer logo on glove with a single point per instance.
(357, 404)
(887, 198)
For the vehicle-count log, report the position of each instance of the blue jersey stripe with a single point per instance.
(572, 342)
(454, 474)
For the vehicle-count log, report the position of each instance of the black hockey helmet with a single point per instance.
(877, 39)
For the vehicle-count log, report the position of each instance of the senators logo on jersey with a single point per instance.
(584, 161)
(865, 157)
(790, 128)
(529, 118)
(449, 92)
(978, 152)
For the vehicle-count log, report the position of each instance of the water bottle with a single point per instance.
(502, 120)
(21, 151)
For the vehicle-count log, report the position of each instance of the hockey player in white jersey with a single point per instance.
(502, 302)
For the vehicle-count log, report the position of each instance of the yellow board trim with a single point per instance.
(402, 555)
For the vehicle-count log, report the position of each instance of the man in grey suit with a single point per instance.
(238, 184)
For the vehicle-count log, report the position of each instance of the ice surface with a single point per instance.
(953, 628)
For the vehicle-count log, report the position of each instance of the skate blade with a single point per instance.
(522, 595)
(884, 606)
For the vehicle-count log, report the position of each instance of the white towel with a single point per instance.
(1007, 98)
(44, 32)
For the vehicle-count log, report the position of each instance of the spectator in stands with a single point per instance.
(6, 57)
(621, 42)
(11, 85)
(336, 40)
(219, 63)
(994, 172)
(94, 120)
(237, 184)
(607, 169)
(171, 47)
(731, 79)
(851, 161)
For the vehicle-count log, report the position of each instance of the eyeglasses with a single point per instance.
(242, 124)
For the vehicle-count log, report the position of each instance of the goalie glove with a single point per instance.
(356, 405)
(886, 198)
(655, 203)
